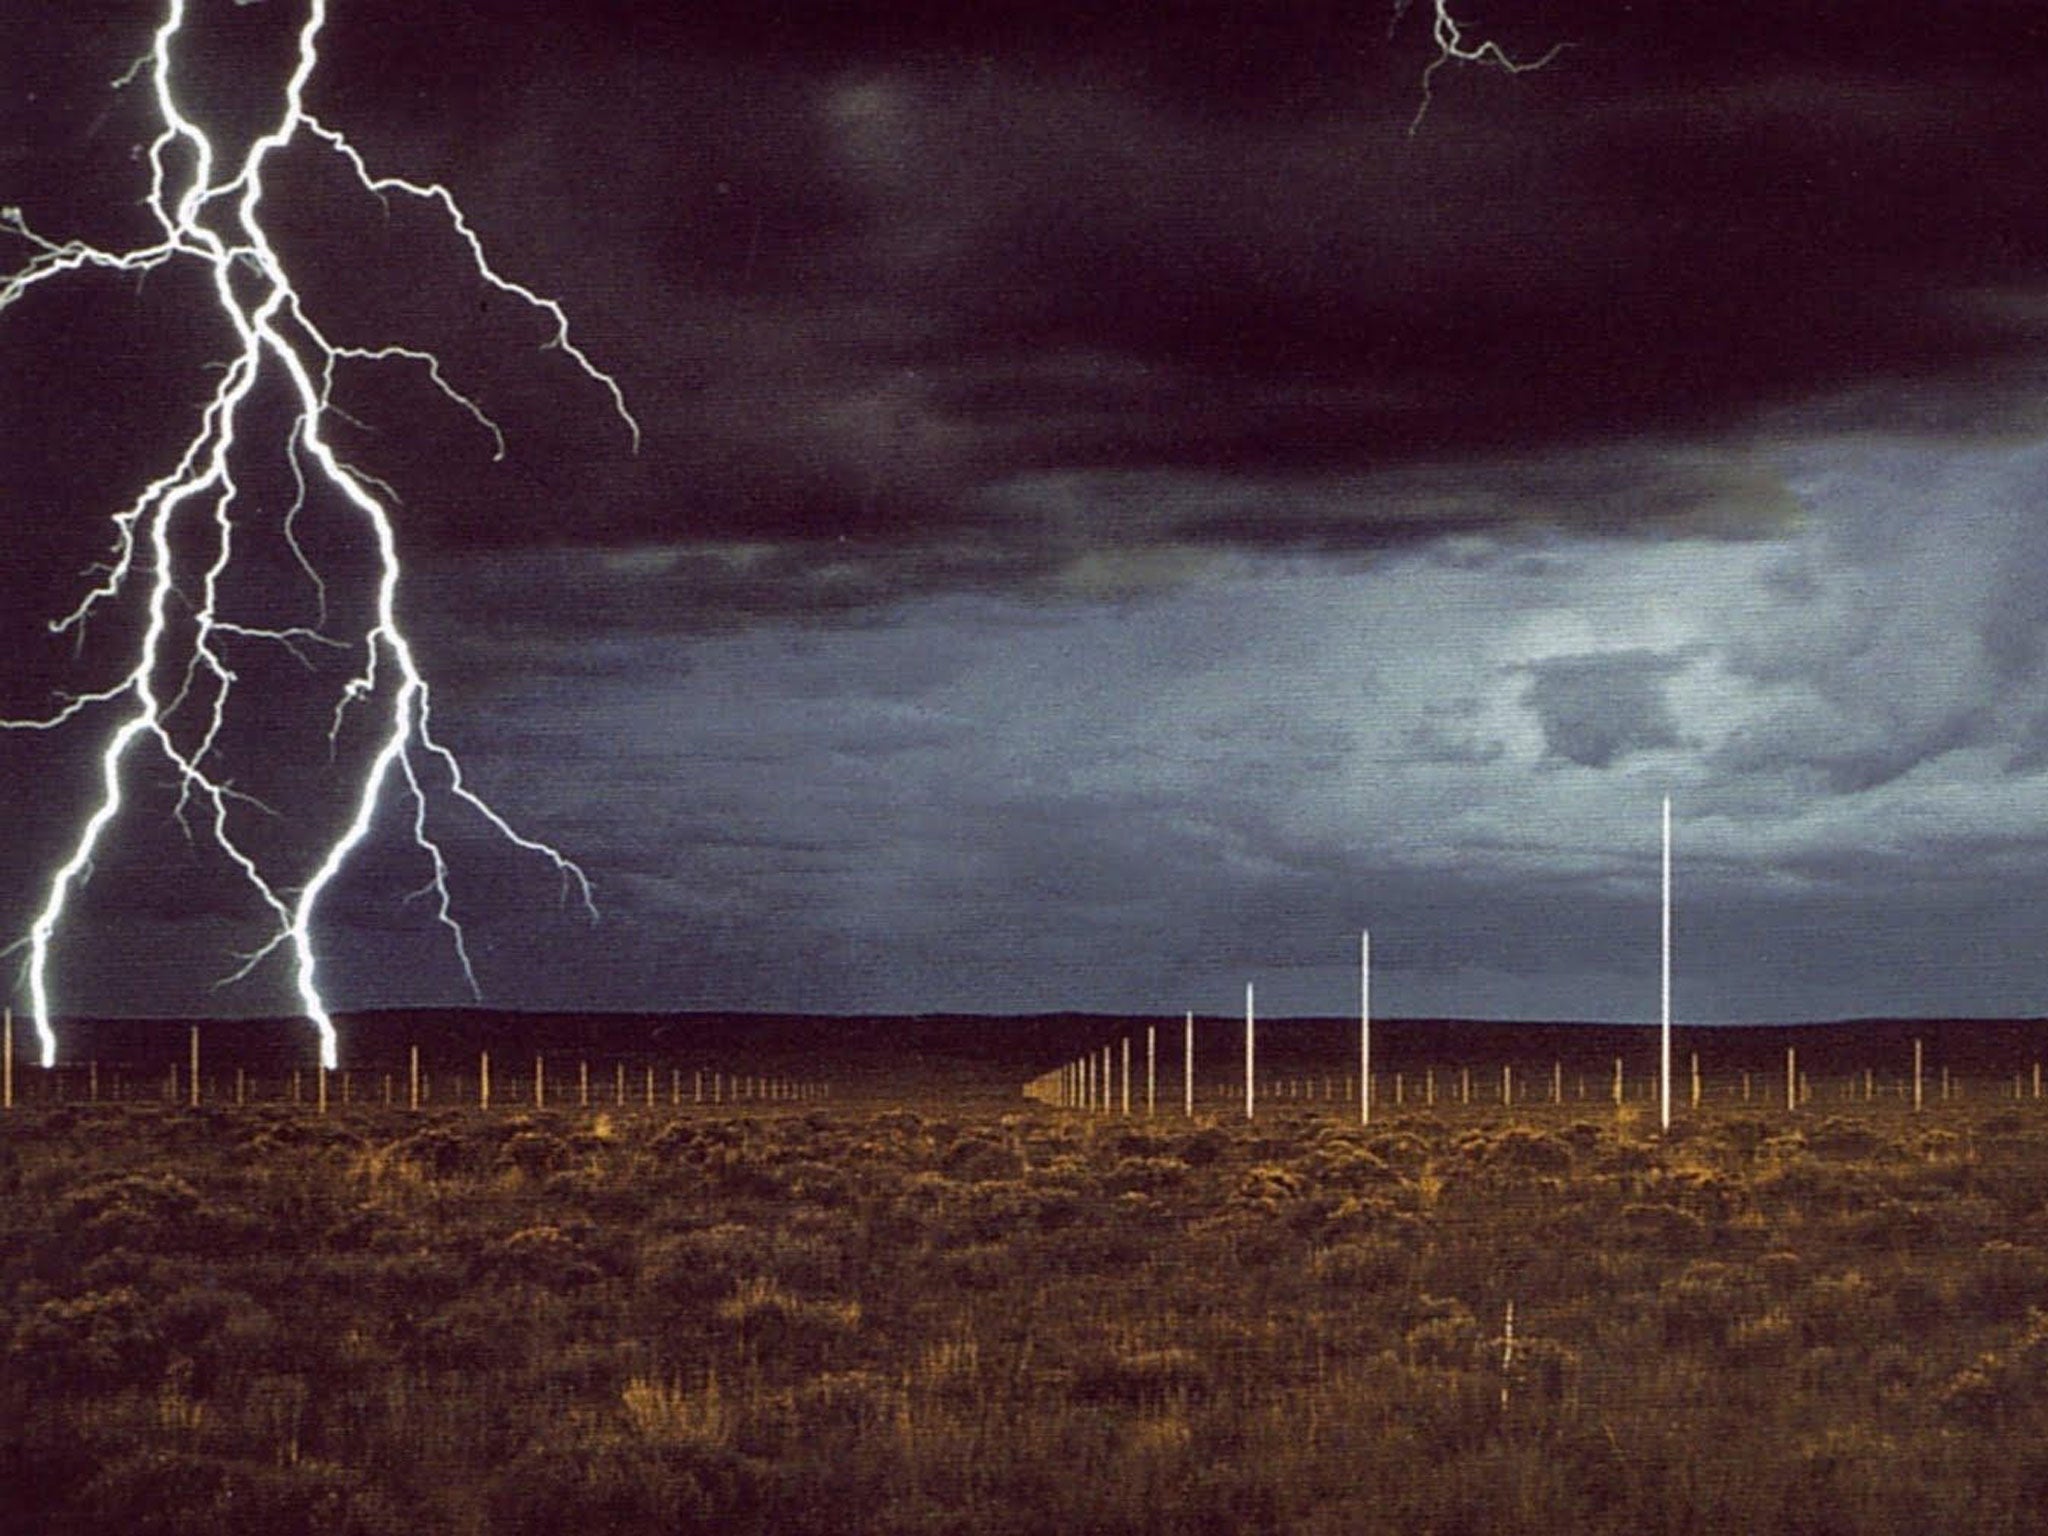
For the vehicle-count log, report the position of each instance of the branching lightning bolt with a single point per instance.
(210, 216)
(1451, 48)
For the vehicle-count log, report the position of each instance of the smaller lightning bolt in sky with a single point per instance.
(175, 545)
(1452, 48)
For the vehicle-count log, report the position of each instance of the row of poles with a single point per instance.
(1070, 1084)
(701, 1086)
(1092, 1082)
(1089, 1080)
(1086, 1082)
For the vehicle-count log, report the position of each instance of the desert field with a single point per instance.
(992, 1315)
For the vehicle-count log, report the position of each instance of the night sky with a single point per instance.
(1122, 505)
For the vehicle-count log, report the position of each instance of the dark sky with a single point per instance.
(1126, 499)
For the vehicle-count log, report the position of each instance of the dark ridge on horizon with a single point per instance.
(873, 1046)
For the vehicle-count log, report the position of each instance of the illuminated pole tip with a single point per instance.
(209, 217)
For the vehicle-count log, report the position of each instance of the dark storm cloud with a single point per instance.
(1116, 507)
(863, 271)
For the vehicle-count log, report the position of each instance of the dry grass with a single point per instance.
(1023, 1321)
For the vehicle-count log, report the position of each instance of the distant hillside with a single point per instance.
(859, 1048)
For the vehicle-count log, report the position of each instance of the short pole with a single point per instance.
(1187, 1067)
(1791, 1077)
(540, 1082)
(412, 1077)
(1151, 1066)
(483, 1079)
(1919, 1079)
(1364, 1026)
(7, 1061)
(1249, 1049)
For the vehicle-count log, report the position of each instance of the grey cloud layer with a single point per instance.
(1122, 804)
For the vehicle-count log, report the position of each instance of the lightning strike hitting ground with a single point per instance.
(210, 218)
(1451, 48)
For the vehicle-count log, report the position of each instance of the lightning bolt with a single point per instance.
(1451, 48)
(175, 697)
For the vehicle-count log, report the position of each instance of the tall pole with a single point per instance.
(1187, 1067)
(1364, 1026)
(1248, 1050)
(192, 1071)
(1664, 1050)
(1151, 1067)
(7, 1062)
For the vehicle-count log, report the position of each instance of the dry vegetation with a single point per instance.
(857, 1320)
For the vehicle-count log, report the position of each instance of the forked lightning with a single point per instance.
(174, 698)
(1452, 48)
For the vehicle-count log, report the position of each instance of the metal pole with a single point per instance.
(1249, 1050)
(1664, 1050)
(1364, 1026)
